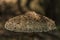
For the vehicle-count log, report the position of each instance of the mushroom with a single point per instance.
(30, 22)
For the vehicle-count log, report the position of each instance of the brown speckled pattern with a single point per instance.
(30, 22)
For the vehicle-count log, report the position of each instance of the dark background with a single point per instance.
(52, 10)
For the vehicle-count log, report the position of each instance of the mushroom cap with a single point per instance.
(30, 22)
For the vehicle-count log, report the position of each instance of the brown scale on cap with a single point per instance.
(33, 15)
(28, 23)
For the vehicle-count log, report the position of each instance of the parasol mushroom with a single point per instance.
(30, 22)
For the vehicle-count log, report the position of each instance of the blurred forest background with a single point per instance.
(11, 8)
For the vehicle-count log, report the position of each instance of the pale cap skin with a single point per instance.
(30, 22)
